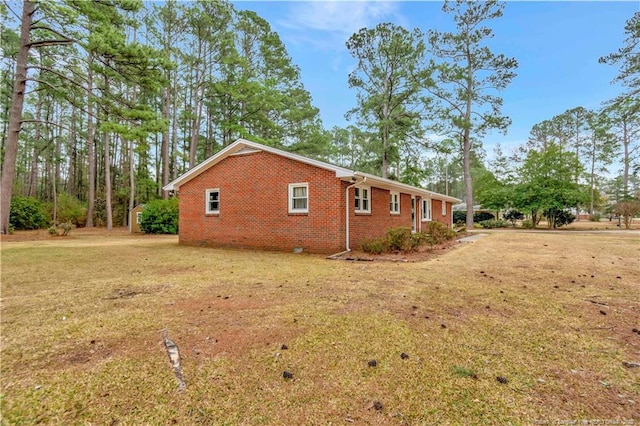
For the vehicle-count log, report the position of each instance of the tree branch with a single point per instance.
(12, 11)
(62, 36)
(59, 74)
(46, 83)
(445, 99)
(62, 126)
(42, 43)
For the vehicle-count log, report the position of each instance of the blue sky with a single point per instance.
(557, 45)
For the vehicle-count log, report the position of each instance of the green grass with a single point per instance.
(82, 320)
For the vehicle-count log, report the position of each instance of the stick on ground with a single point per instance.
(174, 358)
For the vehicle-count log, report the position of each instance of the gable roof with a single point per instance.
(243, 146)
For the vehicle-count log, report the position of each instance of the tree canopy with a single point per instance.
(103, 103)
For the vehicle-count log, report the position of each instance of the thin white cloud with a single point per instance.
(338, 16)
(328, 24)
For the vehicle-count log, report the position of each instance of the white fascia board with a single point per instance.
(403, 187)
(340, 171)
(175, 184)
(243, 146)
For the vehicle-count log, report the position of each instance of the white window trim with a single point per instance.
(361, 210)
(138, 217)
(444, 208)
(206, 201)
(427, 212)
(298, 185)
(391, 202)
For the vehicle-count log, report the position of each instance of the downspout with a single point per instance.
(346, 197)
(419, 212)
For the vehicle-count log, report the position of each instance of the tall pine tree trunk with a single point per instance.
(132, 183)
(33, 178)
(15, 118)
(91, 161)
(174, 129)
(592, 182)
(385, 134)
(466, 146)
(166, 106)
(71, 176)
(107, 180)
(107, 167)
(626, 160)
(56, 157)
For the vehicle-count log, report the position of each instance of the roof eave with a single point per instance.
(403, 187)
(240, 144)
(340, 172)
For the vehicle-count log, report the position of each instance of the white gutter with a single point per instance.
(346, 197)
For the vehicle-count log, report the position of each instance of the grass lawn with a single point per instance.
(550, 314)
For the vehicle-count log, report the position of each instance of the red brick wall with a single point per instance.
(436, 212)
(364, 226)
(254, 206)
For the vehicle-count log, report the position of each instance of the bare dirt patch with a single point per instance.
(231, 325)
(129, 292)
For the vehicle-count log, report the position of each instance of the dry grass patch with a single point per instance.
(552, 314)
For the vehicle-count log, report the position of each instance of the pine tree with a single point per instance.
(466, 80)
(388, 79)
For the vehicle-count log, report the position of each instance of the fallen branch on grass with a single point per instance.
(174, 358)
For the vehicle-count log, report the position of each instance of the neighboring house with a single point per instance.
(255, 196)
(134, 218)
(462, 207)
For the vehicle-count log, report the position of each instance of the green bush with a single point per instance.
(66, 227)
(27, 213)
(160, 217)
(482, 216)
(459, 216)
(527, 224)
(70, 209)
(513, 216)
(595, 217)
(493, 223)
(564, 217)
(438, 232)
(417, 239)
(374, 245)
(558, 218)
(399, 239)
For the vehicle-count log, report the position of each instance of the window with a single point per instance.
(394, 202)
(298, 198)
(426, 209)
(213, 201)
(138, 217)
(362, 202)
(444, 208)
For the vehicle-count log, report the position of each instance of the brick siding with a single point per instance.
(254, 191)
(436, 212)
(364, 226)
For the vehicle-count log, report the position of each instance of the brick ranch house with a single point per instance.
(254, 196)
